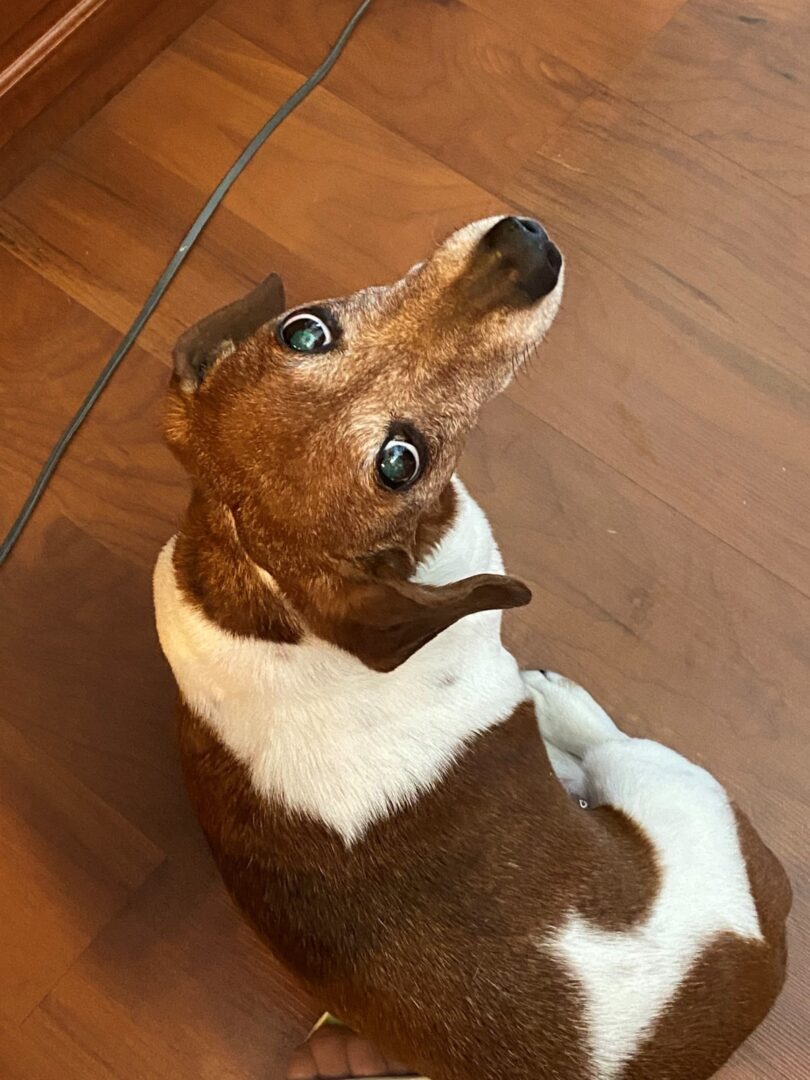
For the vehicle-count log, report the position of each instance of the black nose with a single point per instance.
(525, 253)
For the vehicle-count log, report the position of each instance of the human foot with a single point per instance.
(333, 1052)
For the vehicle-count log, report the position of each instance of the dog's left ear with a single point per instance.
(385, 622)
(219, 334)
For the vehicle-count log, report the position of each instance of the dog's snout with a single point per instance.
(525, 254)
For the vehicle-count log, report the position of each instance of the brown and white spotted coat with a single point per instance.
(366, 758)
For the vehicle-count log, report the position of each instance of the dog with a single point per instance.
(379, 782)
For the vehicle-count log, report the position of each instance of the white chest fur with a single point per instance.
(320, 730)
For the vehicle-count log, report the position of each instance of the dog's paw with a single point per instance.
(570, 773)
(569, 717)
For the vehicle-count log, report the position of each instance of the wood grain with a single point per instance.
(54, 43)
(65, 61)
(68, 864)
(596, 37)
(647, 476)
(24, 22)
(734, 76)
(177, 987)
(516, 91)
(686, 363)
(363, 219)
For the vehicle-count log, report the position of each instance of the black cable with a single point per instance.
(168, 274)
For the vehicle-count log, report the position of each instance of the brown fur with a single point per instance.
(436, 920)
(730, 989)
(217, 576)
(303, 501)
(428, 933)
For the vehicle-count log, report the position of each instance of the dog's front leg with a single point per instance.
(565, 760)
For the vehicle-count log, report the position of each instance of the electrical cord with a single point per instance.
(163, 282)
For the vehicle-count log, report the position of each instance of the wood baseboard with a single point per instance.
(61, 60)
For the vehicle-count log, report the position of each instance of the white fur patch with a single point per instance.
(320, 730)
(629, 977)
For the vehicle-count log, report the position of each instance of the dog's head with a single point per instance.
(330, 432)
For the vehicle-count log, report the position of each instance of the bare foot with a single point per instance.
(335, 1053)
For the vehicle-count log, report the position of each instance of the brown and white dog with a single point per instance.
(364, 755)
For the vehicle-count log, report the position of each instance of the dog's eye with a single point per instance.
(305, 332)
(398, 463)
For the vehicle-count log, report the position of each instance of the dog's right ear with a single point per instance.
(384, 622)
(219, 334)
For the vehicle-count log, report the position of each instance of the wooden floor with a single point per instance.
(649, 478)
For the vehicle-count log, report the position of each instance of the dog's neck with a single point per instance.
(318, 729)
(216, 574)
(265, 594)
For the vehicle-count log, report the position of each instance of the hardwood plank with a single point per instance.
(376, 203)
(642, 604)
(68, 863)
(175, 987)
(683, 331)
(117, 482)
(100, 182)
(461, 86)
(63, 79)
(81, 672)
(83, 678)
(595, 36)
(22, 1058)
(734, 76)
(22, 22)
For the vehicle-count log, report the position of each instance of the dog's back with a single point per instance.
(436, 935)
